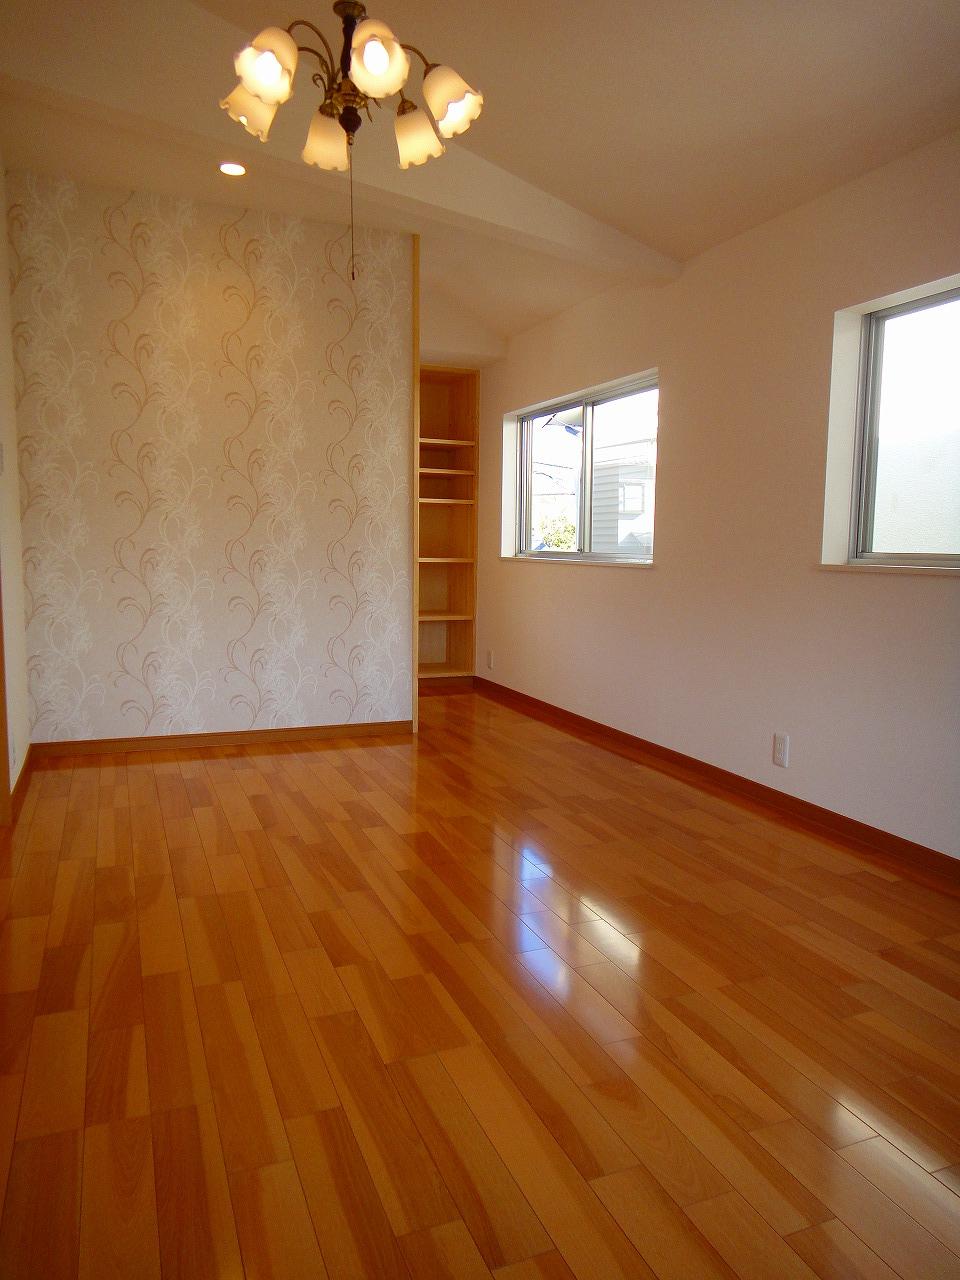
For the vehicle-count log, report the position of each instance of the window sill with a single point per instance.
(582, 560)
(921, 570)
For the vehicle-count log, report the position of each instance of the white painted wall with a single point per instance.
(737, 631)
(451, 336)
(11, 559)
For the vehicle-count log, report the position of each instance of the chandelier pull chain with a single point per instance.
(353, 257)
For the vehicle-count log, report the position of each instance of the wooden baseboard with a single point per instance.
(19, 793)
(199, 741)
(891, 851)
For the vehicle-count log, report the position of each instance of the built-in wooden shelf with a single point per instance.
(447, 521)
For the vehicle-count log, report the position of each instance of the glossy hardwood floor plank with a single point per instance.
(197, 1229)
(833, 1252)
(22, 942)
(247, 1112)
(162, 948)
(118, 1223)
(176, 1064)
(277, 1240)
(54, 1086)
(261, 965)
(749, 1245)
(589, 1239)
(792, 1090)
(404, 1018)
(413, 1193)
(657, 1143)
(72, 908)
(779, 1197)
(896, 1236)
(11, 1088)
(917, 1192)
(658, 1228)
(879, 1109)
(591, 1144)
(443, 1253)
(498, 1215)
(487, 1001)
(300, 1079)
(348, 1215)
(40, 1230)
(64, 979)
(546, 1266)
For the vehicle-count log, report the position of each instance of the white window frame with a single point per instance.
(868, 411)
(523, 479)
(843, 477)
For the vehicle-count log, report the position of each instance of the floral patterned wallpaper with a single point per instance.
(214, 428)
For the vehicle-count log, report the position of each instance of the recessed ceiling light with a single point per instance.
(233, 170)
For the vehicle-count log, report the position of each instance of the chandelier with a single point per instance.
(373, 65)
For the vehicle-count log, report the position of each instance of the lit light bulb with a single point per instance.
(268, 67)
(375, 57)
(232, 169)
(455, 112)
(242, 120)
(379, 64)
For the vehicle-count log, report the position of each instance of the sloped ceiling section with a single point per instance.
(618, 139)
(128, 93)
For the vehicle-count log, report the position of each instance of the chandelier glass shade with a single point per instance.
(416, 140)
(372, 65)
(255, 116)
(453, 104)
(266, 66)
(379, 64)
(326, 144)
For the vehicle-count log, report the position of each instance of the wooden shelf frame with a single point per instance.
(446, 507)
(450, 502)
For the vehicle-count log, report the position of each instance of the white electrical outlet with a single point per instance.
(489, 659)
(781, 750)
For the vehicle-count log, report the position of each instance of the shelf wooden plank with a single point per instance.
(446, 617)
(446, 559)
(448, 442)
(428, 670)
(449, 502)
(445, 471)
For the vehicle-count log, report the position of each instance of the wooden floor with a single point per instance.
(494, 1001)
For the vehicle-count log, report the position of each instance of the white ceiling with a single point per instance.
(617, 139)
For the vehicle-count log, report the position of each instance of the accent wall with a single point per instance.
(215, 432)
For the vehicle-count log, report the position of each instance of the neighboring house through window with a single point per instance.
(587, 474)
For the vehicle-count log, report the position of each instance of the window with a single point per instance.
(587, 474)
(909, 457)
